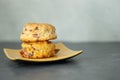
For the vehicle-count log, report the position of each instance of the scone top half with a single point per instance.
(38, 32)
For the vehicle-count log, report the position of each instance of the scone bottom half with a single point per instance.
(35, 41)
(38, 50)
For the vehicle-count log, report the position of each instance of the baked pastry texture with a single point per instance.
(39, 49)
(38, 32)
(35, 40)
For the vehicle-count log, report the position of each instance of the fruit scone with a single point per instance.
(42, 49)
(35, 40)
(38, 32)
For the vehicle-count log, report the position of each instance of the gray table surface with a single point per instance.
(100, 61)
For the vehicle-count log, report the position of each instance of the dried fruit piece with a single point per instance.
(30, 30)
(21, 52)
(22, 33)
(36, 28)
(35, 35)
(25, 29)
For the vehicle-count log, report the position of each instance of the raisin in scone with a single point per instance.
(38, 32)
(39, 49)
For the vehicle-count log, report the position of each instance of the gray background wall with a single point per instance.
(75, 20)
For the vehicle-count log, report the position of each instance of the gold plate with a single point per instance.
(63, 53)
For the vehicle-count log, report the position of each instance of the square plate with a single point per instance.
(63, 53)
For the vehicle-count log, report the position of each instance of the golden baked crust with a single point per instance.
(38, 32)
(35, 50)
